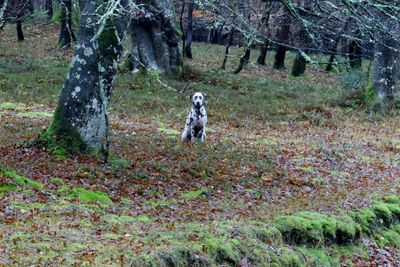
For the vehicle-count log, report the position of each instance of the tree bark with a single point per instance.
(181, 27)
(189, 30)
(66, 33)
(155, 39)
(3, 6)
(299, 65)
(355, 51)
(244, 59)
(80, 121)
(228, 46)
(386, 68)
(300, 62)
(334, 47)
(49, 9)
(20, 33)
(264, 47)
(280, 55)
(215, 34)
(263, 52)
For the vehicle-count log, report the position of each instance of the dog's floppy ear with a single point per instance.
(190, 96)
(205, 96)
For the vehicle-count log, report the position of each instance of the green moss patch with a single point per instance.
(298, 230)
(314, 239)
(5, 188)
(57, 181)
(21, 180)
(62, 136)
(120, 163)
(88, 195)
(192, 195)
(112, 219)
(35, 114)
(343, 227)
(223, 249)
(11, 106)
(168, 131)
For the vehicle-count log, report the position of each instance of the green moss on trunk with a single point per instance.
(62, 136)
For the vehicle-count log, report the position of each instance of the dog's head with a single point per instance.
(198, 99)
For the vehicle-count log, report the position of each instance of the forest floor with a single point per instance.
(276, 145)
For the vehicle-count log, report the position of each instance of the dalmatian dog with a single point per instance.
(195, 128)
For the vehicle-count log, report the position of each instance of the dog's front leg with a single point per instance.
(193, 132)
(203, 135)
(187, 134)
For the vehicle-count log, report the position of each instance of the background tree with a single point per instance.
(154, 38)
(15, 11)
(387, 56)
(265, 41)
(49, 9)
(189, 30)
(283, 39)
(67, 35)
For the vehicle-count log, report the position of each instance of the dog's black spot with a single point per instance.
(197, 130)
(191, 119)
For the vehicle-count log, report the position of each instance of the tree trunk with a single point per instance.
(299, 66)
(228, 46)
(215, 35)
(300, 62)
(155, 39)
(189, 30)
(263, 52)
(181, 27)
(244, 59)
(386, 68)
(355, 51)
(80, 121)
(264, 47)
(3, 6)
(280, 55)
(66, 34)
(20, 33)
(49, 9)
(334, 47)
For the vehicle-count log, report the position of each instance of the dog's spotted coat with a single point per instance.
(195, 128)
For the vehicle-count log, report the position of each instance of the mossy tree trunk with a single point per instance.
(155, 38)
(66, 33)
(80, 121)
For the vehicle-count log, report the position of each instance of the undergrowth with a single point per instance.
(301, 239)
